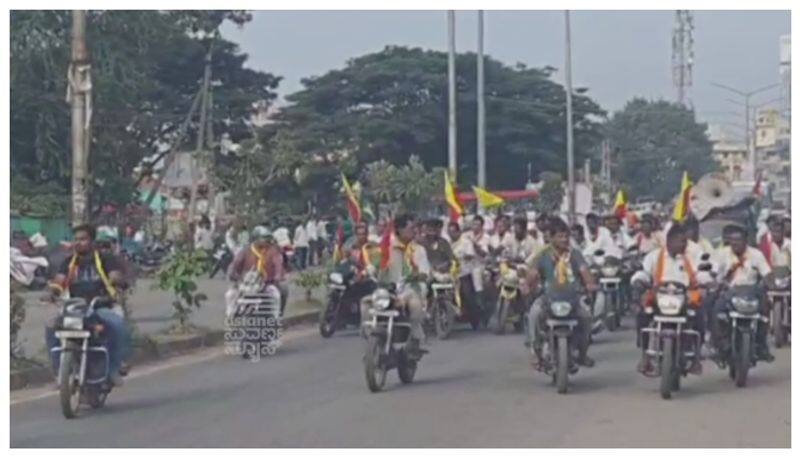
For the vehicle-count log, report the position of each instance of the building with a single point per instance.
(731, 155)
(772, 141)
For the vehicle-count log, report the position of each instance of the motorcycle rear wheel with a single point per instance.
(406, 369)
(69, 390)
(374, 370)
(667, 367)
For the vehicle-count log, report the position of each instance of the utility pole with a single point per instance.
(481, 108)
(682, 53)
(746, 96)
(451, 86)
(201, 135)
(79, 94)
(570, 152)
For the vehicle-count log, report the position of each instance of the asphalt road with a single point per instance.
(473, 390)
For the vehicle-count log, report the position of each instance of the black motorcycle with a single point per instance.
(673, 343)
(221, 259)
(83, 368)
(739, 324)
(345, 290)
(559, 351)
(608, 270)
(388, 332)
(779, 292)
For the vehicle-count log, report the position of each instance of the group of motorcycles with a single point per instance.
(673, 343)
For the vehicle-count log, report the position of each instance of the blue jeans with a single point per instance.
(118, 337)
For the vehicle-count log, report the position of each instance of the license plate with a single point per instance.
(72, 334)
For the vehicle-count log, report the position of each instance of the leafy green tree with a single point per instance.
(392, 104)
(146, 69)
(653, 143)
(409, 186)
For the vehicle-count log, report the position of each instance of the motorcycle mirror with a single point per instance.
(705, 257)
(599, 252)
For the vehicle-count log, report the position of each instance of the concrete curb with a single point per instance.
(148, 349)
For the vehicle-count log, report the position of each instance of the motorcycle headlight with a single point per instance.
(744, 305)
(441, 277)
(510, 275)
(72, 323)
(336, 278)
(381, 299)
(781, 283)
(669, 304)
(560, 308)
(610, 271)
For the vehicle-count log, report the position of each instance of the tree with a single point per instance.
(410, 186)
(146, 70)
(392, 104)
(653, 143)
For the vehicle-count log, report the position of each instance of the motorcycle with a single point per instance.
(673, 343)
(442, 302)
(740, 323)
(779, 292)
(345, 290)
(221, 259)
(83, 372)
(388, 331)
(608, 271)
(256, 325)
(560, 342)
(511, 306)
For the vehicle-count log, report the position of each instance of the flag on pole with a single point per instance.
(451, 196)
(682, 207)
(386, 244)
(352, 202)
(486, 198)
(621, 204)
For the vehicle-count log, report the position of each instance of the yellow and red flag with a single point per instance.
(621, 204)
(352, 202)
(386, 244)
(486, 198)
(451, 196)
(682, 207)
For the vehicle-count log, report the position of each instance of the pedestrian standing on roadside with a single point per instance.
(300, 246)
(313, 240)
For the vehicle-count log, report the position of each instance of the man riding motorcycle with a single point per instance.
(408, 268)
(774, 245)
(598, 238)
(647, 240)
(740, 265)
(521, 248)
(439, 251)
(480, 246)
(671, 263)
(262, 255)
(559, 267)
(89, 274)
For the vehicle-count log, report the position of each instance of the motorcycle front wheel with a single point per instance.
(667, 368)
(443, 318)
(69, 390)
(96, 398)
(329, 319)
(501, 316)
(562, 368)
(612, 311)
(743, 359)
(374, 370)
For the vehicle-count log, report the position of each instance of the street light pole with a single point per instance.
(746, 95)
(570, 146)
(451, 85)
(80, 92)
(481, 108)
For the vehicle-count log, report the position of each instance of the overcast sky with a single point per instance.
(616, 54)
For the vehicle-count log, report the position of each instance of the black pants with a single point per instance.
(301, 256)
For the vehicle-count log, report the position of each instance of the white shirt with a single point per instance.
(300, 237)
(202, 239)
(674, 268)
(647, 244)
(281, 235)
(780, 255)
(496, 241)
(463, 248)
(311, 230)
(754, 266)
(322, 232)
(525, 249)
(603, 241)
(234, 243)
(621, 240)
(481, 240)
(394, 271)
